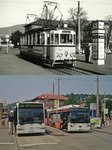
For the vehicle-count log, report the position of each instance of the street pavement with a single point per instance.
(53, 131)
(93, 67)
(9, 142)
(80, 63)
(107, 129)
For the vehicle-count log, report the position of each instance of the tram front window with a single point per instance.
(66, 38)
(56, 38)
(28, 116)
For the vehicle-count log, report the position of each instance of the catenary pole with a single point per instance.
(78, 15)
(97, 88)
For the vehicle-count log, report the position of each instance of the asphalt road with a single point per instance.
(96, 140)
(12, 64)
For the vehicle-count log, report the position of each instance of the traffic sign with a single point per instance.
(7, 40)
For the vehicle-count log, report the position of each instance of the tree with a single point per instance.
(73, 19)
(15, 38)
(109, 105)
(72, 99)
(108, 31)
(90, 99)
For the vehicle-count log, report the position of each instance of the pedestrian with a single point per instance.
(103, 122)
(87, 52)
(11, 122)
(15, 119)
(107, 120)
(3, 121)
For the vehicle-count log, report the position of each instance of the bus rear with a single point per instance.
(30, 118)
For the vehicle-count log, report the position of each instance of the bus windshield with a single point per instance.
(81, 116)
(31, 115)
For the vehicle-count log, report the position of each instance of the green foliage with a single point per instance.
(77, 98)
(73, 20)
(109, 105)
(15, 38)
(90, 99)
(72, 99)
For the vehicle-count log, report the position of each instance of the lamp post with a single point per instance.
(78, 15)
(7, 40)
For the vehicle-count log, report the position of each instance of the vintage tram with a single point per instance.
(55, 45)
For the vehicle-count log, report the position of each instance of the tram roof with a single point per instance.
(40, 24)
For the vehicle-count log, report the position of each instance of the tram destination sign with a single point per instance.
(28, 105)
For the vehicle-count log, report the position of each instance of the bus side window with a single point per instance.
(56, 38)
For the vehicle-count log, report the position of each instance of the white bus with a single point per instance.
(70, 118)
(29, 118)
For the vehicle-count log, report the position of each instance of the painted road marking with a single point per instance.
(35, 144)
(6, 143)
(52, 137)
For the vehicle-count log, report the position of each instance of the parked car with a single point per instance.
(11, 45)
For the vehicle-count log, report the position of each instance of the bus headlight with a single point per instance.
(42, 126)
(19, 128)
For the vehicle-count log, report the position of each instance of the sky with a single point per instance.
(14, 12)
(14, 88)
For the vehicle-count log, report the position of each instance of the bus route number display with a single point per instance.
(30, 105)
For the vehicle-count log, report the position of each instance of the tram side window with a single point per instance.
(38, 38)
(42, 39)
(33, 39)
(51, 38)
(56, 38)
(27, 39)
(74, 39)
(30, 40)
(48, 38)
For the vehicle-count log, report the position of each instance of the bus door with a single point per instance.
(56, 120)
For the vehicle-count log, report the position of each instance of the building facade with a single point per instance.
(51, 100)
